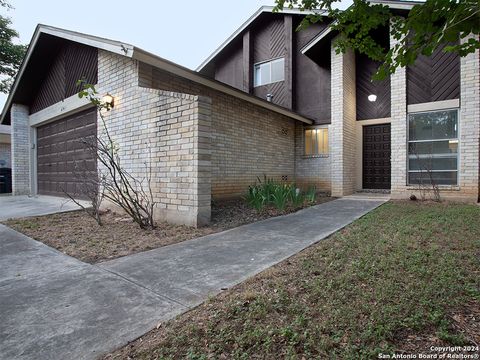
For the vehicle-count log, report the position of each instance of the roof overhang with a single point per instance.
(94, 41)
(130, 51)
(246, 24)
(168, 66)
(328, 32)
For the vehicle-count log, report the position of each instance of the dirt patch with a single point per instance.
(78, 235)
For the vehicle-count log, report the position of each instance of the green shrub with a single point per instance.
(311, 194)
(281, 194)
(271, 192)
(255, 197)
(296, 197)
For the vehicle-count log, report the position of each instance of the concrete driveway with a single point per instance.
(55, 307)
(23, 206)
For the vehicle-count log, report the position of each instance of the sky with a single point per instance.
(185, 32)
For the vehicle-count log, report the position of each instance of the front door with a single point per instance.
(376, 156)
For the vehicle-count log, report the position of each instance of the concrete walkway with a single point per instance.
(23, 206)
(55, 307)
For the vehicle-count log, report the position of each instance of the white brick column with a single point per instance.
(342, 129)
(469, 125)
(20, 150)
(398, 83)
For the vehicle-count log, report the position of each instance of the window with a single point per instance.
(316, 141)
(269, 72)
(433, 147)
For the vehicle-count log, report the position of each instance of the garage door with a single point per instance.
(62, 159)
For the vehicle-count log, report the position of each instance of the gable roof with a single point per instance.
(402, 5)
(246, 24)
(136, 53)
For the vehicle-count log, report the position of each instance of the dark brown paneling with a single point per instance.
(268, 42)
(376, 156)
(365, 68)
(311, 80)
(247, 63)
(434, 78)
(52, 88)
(62, 159)
(81, 62)
(70, 62)
(229, 66)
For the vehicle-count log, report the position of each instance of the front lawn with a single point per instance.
(402, 278)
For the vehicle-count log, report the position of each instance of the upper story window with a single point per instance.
(269, 72)
(433, 147)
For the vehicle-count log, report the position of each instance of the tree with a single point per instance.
(428, 26)
(11, 55)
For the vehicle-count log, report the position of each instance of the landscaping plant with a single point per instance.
(132, 193)
(280, 195)
(255, 197)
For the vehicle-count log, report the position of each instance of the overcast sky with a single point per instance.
(185, 32)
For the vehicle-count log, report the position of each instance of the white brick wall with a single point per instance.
(170, 128)
(469, 119)
(342, 128)
(469, 127)
(247, 141)
(398, 83)
(311, 170)
(20, 138)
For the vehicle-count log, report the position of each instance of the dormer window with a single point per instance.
(268, 72)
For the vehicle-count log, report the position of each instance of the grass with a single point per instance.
(402, 278)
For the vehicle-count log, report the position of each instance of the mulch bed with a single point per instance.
(78, 235)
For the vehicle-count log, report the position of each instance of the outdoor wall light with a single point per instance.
(108, 100)
(372, 97)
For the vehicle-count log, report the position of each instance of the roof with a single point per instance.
(136, 53)
(392, 4)
(246, 24)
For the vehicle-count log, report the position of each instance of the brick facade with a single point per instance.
(203, 144)
(342, 128)
(398, 83)
(247, 141)
(311, 170)
(469, 135)
(166, 131)
(21, 148)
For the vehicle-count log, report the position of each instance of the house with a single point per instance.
(270, 101)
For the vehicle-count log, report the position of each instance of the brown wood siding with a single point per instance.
(229, 66)
(72, 62)
(268, 40)
(311, 81)
(61, 156)
(434, 78)
(365, 68)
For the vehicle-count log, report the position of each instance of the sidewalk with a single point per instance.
(56, 307)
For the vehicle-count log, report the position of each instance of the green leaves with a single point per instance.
(426, 27)
(11, 55)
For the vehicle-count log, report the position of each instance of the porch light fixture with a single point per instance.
(108, 100)
(372, 97)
